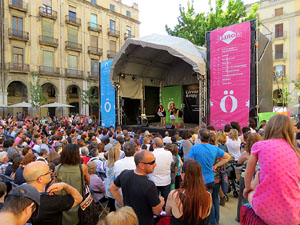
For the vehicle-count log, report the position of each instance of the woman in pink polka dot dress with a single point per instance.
(276, 197)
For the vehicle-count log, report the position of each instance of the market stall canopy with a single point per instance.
(21, 105)
(154, 59)
(55, 104)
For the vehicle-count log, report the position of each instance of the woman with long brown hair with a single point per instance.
(275, 194)
(191, 203)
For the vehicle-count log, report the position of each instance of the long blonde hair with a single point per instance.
(281, 126)
(113, 155)
(233, 134)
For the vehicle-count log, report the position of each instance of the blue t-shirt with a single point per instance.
(206, 155)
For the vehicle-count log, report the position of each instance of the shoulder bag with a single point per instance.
(88, 211)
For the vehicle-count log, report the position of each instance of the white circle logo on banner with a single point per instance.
(233, 99)
(107, 107)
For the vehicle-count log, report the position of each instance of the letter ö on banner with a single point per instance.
(233, 99)
(109, 107)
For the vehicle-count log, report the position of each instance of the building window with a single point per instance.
(94, 41)
(72, 13)
(47, 6)
(94, 1)
(47, 28)
(279, 12)
(128, 31)
(73, 62)
(279, 51)
(112, 7)
(18, 3)
(113, 45)
(94, 66)
(93, 21)
(48, 57)
(112, 26)
(72, 35)
(17, 56)
(17, 25)
(128, 14)
(73, 90)
(279, 30)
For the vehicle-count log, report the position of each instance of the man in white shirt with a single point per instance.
(127, 163)
(167, 138)
(161, 175)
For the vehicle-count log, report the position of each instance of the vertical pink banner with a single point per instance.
(230, 57)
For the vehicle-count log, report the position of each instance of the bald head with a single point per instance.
(141, 156)
(158, 142)
(35, 169)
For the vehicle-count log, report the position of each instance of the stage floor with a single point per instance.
(154, 128)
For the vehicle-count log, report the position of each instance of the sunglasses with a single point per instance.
(149, 163)
(45, 174)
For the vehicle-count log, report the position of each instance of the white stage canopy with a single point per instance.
(156, 60)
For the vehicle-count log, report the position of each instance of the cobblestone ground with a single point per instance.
(228, 212)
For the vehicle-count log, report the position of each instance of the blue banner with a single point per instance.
(108, 112)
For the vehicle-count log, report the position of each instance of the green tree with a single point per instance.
(89, 98)
(36, 92)
(193, 26)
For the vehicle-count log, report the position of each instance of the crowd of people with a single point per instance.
(71, 170)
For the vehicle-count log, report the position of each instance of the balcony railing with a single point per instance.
(93, 75)
(18, 35)
(94, 27)
(95, 51)
(113, 32)
(48, 12)
(49, 70)
(73, 46)
(73, 21)
(126, 36)
(18, 67)
(281, 56)
(49, 41)
(18, 5)
(279, 36)
(74, 73)
(111, 54)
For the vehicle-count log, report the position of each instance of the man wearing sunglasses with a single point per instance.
(139, 192)
(38, 175)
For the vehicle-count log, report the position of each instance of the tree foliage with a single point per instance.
(193, 26)
(89, 97)
(36, 92)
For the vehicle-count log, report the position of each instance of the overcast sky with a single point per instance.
(155, 14)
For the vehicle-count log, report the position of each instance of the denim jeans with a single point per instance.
(214, 216)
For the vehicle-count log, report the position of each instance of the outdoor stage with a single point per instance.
(156, 128)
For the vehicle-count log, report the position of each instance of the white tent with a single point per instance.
(20, 105)
(55, 104)
(154, 59)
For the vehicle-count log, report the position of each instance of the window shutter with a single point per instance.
(47, 3)
(94, 41)
(48, 58)
(113, 45)
(73, 62)
(47, 28)
(73, 34)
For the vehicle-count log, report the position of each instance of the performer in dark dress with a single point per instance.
(162, 114)
(173, 113)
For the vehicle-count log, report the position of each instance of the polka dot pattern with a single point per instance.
(277, 197)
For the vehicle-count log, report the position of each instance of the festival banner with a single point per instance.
(191, 103)
(230, 57)
(171, 95)
(108, 112)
